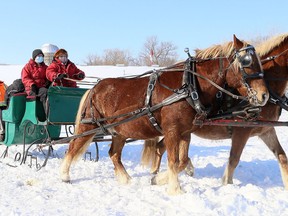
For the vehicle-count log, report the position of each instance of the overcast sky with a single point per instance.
(91, 26)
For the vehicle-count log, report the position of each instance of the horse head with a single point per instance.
(247, 73)
(274, 56)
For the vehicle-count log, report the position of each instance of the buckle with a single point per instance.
(273, 100)
(151, 87)
(219, 94)
(194, 95)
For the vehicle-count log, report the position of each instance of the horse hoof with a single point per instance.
(190, 172)
(66, 181)
(153, 181)
(154, 172)
(226, 181)
(175, 192)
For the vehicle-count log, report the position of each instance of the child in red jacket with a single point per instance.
(33, 76)
(61, 68)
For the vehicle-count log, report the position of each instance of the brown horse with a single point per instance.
(274, 55)
(111, 100)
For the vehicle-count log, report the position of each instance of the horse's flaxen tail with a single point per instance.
(79, 145)
(149, 152)
(82, 142)
(79, 112)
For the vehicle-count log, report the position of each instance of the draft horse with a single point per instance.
(112, 99)
(274, 55)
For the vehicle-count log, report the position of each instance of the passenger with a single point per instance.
(2, 106)
(61, 68)
(16, 87)
(34, 77)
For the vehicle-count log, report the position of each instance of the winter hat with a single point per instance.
(60, 52)
(36, 52)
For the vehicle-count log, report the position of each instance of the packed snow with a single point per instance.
(257, 188)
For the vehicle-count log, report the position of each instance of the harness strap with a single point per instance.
(190, 80)
(152, 80)
(218, 87)
(278, 100)
(150, 88)
(273, 57)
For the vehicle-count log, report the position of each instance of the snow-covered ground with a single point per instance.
(257, 189)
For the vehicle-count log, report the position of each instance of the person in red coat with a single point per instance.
(2, 106)
(63, 72)
(33, 76)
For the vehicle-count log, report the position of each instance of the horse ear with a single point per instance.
(237, 43)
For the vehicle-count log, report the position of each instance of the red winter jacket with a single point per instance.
(32, 73)
(70, 69)
(2, 94)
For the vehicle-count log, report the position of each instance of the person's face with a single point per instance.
(39, 58)
(63, 58)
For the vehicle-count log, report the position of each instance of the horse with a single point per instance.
(274, 55)
(112, 100)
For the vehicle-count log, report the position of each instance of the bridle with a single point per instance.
(274, 97)
(245, 61)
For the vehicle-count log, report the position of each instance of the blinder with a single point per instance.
(246, 60)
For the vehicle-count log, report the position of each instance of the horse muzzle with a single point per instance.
(258, 99)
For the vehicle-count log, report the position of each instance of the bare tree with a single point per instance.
(116, 56)
(159, 53)
(154, 53)
(93, 60)
(111, 57)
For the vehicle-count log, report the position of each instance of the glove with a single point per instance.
(61, 76)
(81, 76)
(47, 84)
(33, 90)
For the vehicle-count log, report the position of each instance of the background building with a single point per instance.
(48, 50)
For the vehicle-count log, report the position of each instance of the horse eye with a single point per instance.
(246, 60)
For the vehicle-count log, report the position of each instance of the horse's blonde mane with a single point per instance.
(224, 50)
(268, 45)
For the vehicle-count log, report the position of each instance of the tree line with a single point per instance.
(154, 52)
